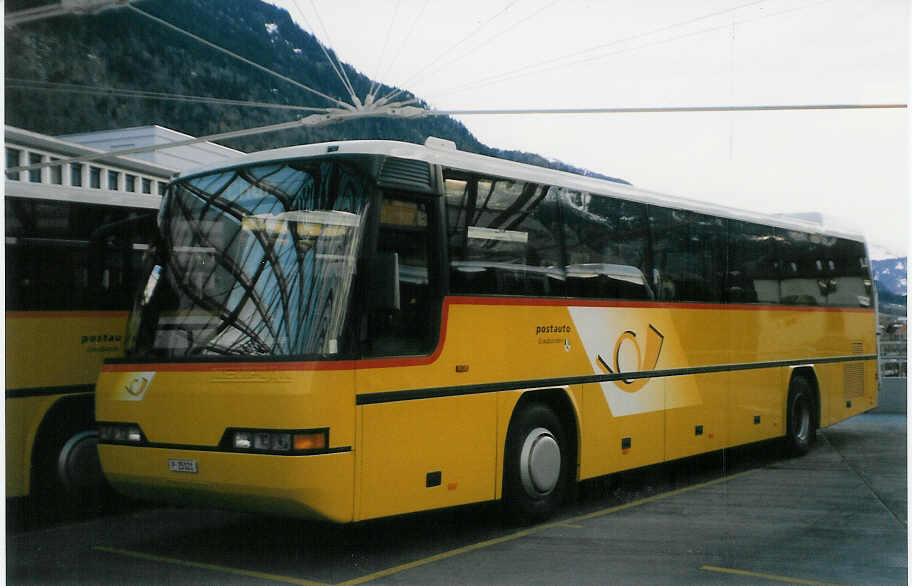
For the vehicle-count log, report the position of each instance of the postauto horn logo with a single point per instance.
(134, 385)
(645, 361)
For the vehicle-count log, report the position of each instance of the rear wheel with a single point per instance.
(535, 464)
(801, 430)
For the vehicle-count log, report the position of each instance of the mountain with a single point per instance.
(890, 275)
(122, 49)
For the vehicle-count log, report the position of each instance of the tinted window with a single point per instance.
(56, 174)
(35, 174)
(753, 271)
(62, 255)
(802, 268)
(849, 283)
(76, 174)
(12, 160)
(503, 236)
(607, 246)
(689, 254)
(406, 231)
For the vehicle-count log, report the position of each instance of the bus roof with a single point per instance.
(444, 153)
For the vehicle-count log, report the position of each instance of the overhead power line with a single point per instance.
(417, 75)
(313, 120)
(212, 45)
(411, 112)
(61, 8)
(402, 44)
(95, 6)
(597, 52)
(47, 86)
(673, 109)
(337, 68)
(389, 30)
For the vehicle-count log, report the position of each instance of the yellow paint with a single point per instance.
(771, 577)
(51, 349)
(318, 486)
(195, 408)
(202, 566)
(48, 350)
(404, 441)
(395, 445)
(601, 449)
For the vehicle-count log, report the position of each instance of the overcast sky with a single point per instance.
(504, 54)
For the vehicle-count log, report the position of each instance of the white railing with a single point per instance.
(89, 176)
(893, 357)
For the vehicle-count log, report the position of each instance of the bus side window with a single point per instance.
(405, 231)
(607, 243)
(504, 236)
(689, 253)
(849, 281)
(752, 275)
(801, 279)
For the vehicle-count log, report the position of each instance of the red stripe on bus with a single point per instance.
(561, 302)
(317, 365)
(293, 365)
(66, 314)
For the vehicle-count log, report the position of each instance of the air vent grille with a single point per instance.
(853, 373)
(415, 175)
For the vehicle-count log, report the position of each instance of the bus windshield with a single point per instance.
(253, 262)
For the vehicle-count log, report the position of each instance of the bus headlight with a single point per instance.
(267, 441)
(120, 433)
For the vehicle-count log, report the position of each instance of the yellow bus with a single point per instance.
(72, 265)
(354, 330)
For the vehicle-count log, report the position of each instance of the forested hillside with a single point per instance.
(124, 50)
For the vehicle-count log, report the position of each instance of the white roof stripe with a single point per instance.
(461, 160)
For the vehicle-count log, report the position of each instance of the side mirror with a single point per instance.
(383, 282)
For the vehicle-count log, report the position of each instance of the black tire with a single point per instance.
(801, 426)
(536, 464)
(67, 475)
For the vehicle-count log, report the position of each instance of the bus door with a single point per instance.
(451, 462)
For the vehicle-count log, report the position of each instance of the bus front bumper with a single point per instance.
(307, 486)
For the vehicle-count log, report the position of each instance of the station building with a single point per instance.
(119, 177)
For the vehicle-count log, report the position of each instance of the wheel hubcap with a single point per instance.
(540, 463)
(802, 420)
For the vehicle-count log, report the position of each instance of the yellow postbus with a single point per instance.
(353, 330)
(72, 265)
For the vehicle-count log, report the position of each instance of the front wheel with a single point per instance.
(68, 474)
(800, 425)
(535, 464)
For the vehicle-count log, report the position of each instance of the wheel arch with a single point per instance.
(810, 377)
(66, 412)
(565, 406)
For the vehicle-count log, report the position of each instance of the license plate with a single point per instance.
(188, 466)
